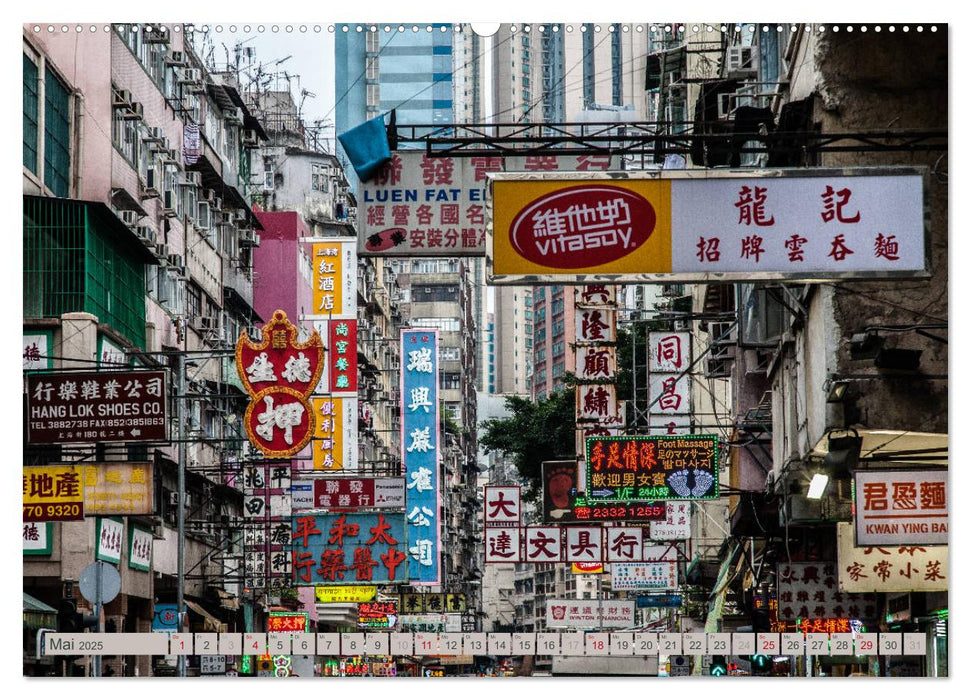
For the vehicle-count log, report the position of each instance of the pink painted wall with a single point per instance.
(277, 280)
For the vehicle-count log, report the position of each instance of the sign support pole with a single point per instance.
(96, 662)
(180, 422)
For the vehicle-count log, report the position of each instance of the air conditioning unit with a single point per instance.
(234, 115)
(162, 252)
(176, 58)
(169, 156)
(153, 134)
(740, 61)
(250, 137)
(173, 499)
(192, 178)
(190, 75)
(248, 236)
(146, 234)
(205, 323)
(175, 260)
(120, 98)
(217, 203)
(135, 112)
(130, 217)
(674, 77)
(726, 105)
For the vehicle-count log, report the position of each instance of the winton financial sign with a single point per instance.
(697, 225)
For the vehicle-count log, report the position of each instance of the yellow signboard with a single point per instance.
(604, 226)
(328, 442)
(345, 594)
(122, 488)
(327, 278)
(53, 493)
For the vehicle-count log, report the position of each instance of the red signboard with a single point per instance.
(287, 622)
(279, 374)
(343, 493)
(72, 407)
(582, 226)
(343, 356)
(377, 614)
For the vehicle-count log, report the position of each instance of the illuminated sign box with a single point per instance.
(652, 467)
(701, 225)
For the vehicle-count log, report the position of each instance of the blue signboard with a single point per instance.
(166, 618)
(419, 446)
(342, 548)
(659, 601)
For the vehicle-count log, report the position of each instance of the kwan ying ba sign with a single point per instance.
(695, 225)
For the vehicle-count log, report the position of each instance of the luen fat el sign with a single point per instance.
(696, 225)
(900, 507)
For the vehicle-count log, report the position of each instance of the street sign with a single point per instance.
(103, 591)
(73, 407)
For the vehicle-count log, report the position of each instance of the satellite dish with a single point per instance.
(110, 582)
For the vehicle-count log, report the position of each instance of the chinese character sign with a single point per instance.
(811, 590)
(349, 548)
(343, 357)
(419, 445)
(288, 622)
(334, 278)
(889, 568)
(377, 615)
(335, 419)
(428, 206)
(810, 225)
(645, 575)
(279, 373)
(110, 533)
(119, 488)
(652, 468)
(589, 614)
(140, 549)
(502, 505)
(676, 524)
(53, 493)
(901, 507)
(668, 352)
(37, 350)
(96, 407)
(668, 394)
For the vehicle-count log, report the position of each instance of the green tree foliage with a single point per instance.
(533, 434)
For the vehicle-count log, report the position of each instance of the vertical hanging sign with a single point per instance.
(419, 445)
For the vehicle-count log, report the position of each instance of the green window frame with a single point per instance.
(57, 135)
(31, 113)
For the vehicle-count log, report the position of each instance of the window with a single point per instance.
(124, 135)
(57, 135)
(319, 177)
(31, 116)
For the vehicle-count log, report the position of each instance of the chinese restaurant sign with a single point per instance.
(279, 373)
(890, 568)
(349, 548)
(419, 444)
(53, 493)
(652, 468)
(431, 206)
(334, 278)
(96, 407)
(814, 224)
(119, 488)
(900, 507)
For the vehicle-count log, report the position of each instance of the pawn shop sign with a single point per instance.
(279, 374)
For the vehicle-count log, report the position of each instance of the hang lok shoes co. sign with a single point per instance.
(279, 374)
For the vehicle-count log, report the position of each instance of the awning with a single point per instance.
(227, 600)
(211, 623)
(31, 604)
(903, 446)
(38, 614)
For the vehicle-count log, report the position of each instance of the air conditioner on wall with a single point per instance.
(176, 58)
(740, 61)
(130, 217)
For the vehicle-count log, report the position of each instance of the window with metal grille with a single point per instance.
(31, 105)
(57, 135)
(72, 262)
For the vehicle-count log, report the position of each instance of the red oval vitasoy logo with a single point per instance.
(582, 226)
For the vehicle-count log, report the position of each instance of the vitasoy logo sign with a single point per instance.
(582, 226)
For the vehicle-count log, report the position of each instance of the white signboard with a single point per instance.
(677, 524)
(596, 363)
(589, 614)
(669, 394)
(901, 507)
(634, 576)
(502, 505)
(140, 553)
(430, 206)
(212, 665)
(596, 325)
(37, 351)
(36, 540)
(584, 544)
(670, 424)
(389, 493)
(624, 544)
(828, 223)
(301, 494)
(110, 540)
(668, 352)
(887, 569)
(543, 544)
(502, 544)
